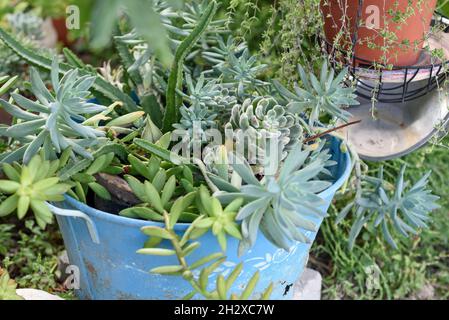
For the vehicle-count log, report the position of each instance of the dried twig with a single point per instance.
(331, 130)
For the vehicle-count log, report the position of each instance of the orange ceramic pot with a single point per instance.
(60, 26)
(405, 22)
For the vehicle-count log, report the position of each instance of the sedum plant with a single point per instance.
(324, 95)
(8, 287)
(183, 246)
(283, 206)
(406, 209)
(54, 121)
(29, 187)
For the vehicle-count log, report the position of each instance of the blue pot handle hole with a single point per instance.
(78, 214)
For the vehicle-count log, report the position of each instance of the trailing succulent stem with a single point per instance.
(175, 79)
(182, 247)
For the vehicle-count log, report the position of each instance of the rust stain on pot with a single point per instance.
(91, 269)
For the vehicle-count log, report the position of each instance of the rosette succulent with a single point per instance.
(406, 210)
(243, 71)
(55, 120)
(261, 117)
(195, 119)
(328, 94)
(209, 93)
(30, 186)
(283, 207)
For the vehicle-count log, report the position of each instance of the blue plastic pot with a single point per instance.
(111, 268)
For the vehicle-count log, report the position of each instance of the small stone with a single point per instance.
(34, 294)
(308, 287)
(427, 292)
(50, 39)
(63, 263)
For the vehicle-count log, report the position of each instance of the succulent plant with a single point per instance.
(199, 272)
(55, 120)
(8, 287)
(195, 120)
(221, 221)
(26, 24)
(218, 55)
(282, 206)
(327, 95)
(242, 71)
(209, 94)
(175, 79)
(264, 116)
(30, 186)
(159, 187)
(86, 179)
(157, 197)
(406, 210)
(179, 24)
(217, 161)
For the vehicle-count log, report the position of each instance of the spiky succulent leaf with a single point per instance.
(56, 117)
(405, 209)
(285, 206)
(29, 187)
(243, 71)
(328, 95)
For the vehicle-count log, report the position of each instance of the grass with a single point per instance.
(30, 255)
(419, 269)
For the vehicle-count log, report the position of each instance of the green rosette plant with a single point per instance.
(8, 287)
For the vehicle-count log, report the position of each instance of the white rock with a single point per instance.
(34, 294)
(50, 39)
(308, 287)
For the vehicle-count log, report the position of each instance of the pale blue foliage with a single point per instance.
(286, 206)
(55, 120)
(328, 94)
(405, 209)
(243, 71)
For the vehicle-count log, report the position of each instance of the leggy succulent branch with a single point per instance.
(175, 78)
(185, 244)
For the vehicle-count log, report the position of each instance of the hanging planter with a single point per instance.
(379, 31)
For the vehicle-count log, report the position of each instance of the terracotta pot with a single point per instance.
(61, 30)
(377, 17)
